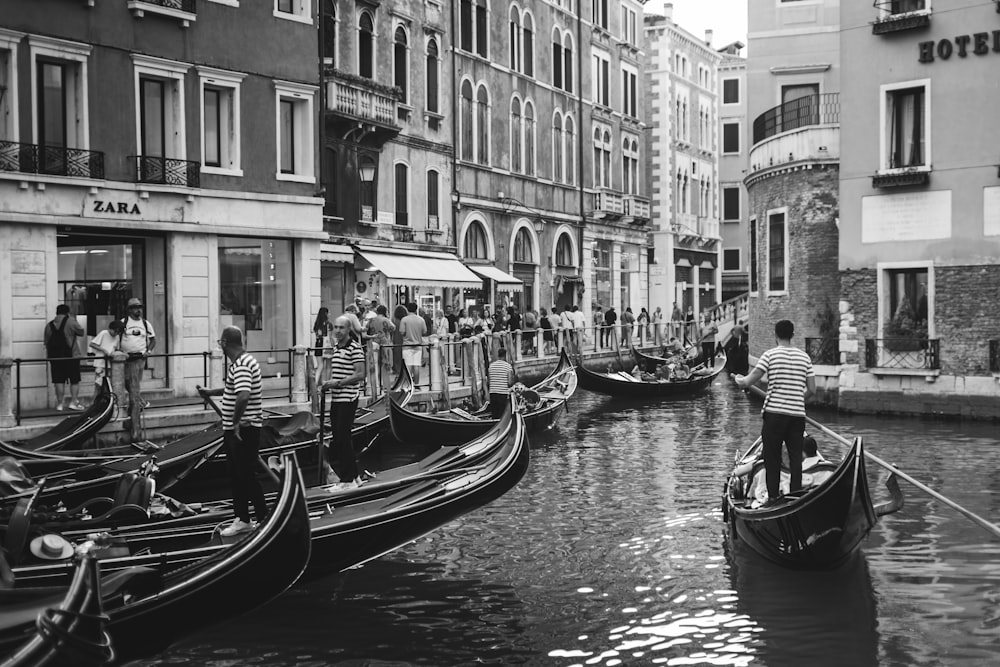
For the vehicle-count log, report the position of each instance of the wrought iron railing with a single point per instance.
(189, 6)
(167, 171)
(51, 160)
(907, 353)
(823, 350)
(803, 112)
(995, 347)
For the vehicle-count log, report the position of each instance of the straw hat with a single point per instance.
(51, 547)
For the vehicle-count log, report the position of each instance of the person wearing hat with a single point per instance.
(137, 340)
(51, 547)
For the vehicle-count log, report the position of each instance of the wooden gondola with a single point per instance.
(72, 431)
(621, 383)
(817, 528)
(162, 582)
(456, 425)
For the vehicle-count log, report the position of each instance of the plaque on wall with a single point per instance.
(907, 216)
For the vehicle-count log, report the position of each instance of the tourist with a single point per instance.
(137, 341)
(413, 329)
(643, 321)
(441, 324)
(398, 313)
(351, 313)
(380, 329)
(545, 324)
(449, 314)
(658, 332)
(499, 379)
(737, 352)
(466, 324)
(322, 344)
(708, 331)
(242, 420)
(628, 324)
(791, 380)
(579, 321)
(528, 334)
(59, 338)
(104, 343)
(610, 321)
(347, 371)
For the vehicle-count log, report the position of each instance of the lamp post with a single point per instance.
(366, 170)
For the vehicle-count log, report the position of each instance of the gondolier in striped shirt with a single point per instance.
(500, 378)
(790, 380)
(347, 370)
(242, 419)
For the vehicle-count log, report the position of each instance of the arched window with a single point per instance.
(606, 169)
(567, 49)
(557, 148)
(401, 63)
(523, 252)
(515, 135)
(528, 44)
(602, 157)
(483, 122)
(330, 31)
(402, 176)
(557, 58)
(529, 138)
(570, 150)
(685, 193)
(475, 242)
(433, 73)
(366, 46)
(514, 48)
(630, 166)
(433, 203)
(564, 251)
(473, 27)
(466, 120)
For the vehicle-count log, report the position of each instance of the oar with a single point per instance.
(991, 527)
(320, 441)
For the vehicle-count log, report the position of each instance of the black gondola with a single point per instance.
(620, 383)
(72, 431)
(455, 426)
(817, 528)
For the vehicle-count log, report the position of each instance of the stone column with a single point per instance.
(434, 363)
(117, 362)
(300, 368)
(7, 393)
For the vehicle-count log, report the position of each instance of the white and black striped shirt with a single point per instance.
(243, 375)
(787, 369)
(342, 367)
(501, 375)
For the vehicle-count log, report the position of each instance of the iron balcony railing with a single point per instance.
(907, 353)
(995, 344)
(823, 350)
(167, 171)
(51, 160)
(809, 110)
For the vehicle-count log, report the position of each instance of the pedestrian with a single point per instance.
(441, 324)
(707, 335)
(322, 344)
(579, 321)
(398, 313)
(413, 329)
(104, 343)
(658, 332)
(449, 314)
(546, 326)
(347, 370)
(643, 321)
(738, 352)
(628, 324)
(499, 379)
(137, 341)
(677, 322)
(380, 329)
(59, 338)
(351, 313)
(555, 321)
(599, 325)
(791, 380)
(466, 324)
(528, 337)
(242, 420)
(689, 326)
(610, 322)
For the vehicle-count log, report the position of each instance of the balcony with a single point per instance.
(51, 160)
(353, 101)
(185, 11)
(898, 15)
(637, 208)
(608, 203)
(804, 112)
(908, 354)
(167, 171)
(801, 131)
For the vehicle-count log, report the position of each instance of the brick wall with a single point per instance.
(811, 196)
(859, 292)
(966, 316)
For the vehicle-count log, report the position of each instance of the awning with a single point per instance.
(504, 280)
(426, 269)
(333, 252)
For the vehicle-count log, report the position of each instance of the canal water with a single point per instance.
(612, 551)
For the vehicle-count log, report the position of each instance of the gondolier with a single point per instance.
(347, 370)
(500, 379)
(790, 380)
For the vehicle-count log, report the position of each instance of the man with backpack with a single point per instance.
(60, 342)
(137, 340)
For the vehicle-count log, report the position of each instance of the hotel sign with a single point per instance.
(912, 216)
(979, 43)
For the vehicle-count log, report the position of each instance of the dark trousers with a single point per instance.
(708, 353)
(781, 429)
(498, 403)
(342, 448)
(241, 457)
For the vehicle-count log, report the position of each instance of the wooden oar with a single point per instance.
(983, 523)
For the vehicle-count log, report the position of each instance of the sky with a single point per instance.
(726, 18)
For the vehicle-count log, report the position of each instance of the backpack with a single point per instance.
(57, 346)
(124, 321)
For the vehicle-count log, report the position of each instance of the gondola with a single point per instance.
(163, 582)
(456, 425)
(621, 383)
(72, 431)
(817, 528)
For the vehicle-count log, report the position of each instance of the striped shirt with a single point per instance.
(243, 375)
(501, 375)
(342, 367)
(787, 369)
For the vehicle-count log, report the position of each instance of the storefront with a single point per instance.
(499, 288)
(601, 294)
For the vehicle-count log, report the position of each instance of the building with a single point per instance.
(732, 98)
(145, 151)
(683, 165)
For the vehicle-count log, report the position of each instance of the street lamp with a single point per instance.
(367, 170)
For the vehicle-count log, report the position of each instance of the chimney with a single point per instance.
(668, 11)
(708, 37)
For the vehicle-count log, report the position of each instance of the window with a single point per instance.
(528, 44)
(401, 174)
(473, 28)
(629, 23)
(159, 86)
(753, 256)
(600, 75)
(8, 84)
(562, 60)
(521, 37)
(630, 99)
(730, 137)
(730, 259)
(516, 136)
(482, 126)
(777, 247)
(903, 6)
(220, 121)
(731, 202)
(906, 127)
(600, 13)
(602, 157)
(569, 149)
(630, 165)
(529, 138)
(294, 121)
(294, 10)
(474, 120)
(908, 295)
(366, 46)
(401, 63)
(564, 251)
(475, 241)
(557, 147)
(255, 292)
(467, 121)
(433, 203)
(330, 31)
(730, 91)
(59, 77)
(433, 76)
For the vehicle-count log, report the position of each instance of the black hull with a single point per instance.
(71, 432)
(450, 428)
(619, 386)
(821, 530)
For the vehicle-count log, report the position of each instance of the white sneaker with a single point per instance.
(343, 486)
(76, 406)
(60, 407)
(236, 527)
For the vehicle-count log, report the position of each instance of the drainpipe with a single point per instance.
(579, 134)
(322, 99)
(455, 194)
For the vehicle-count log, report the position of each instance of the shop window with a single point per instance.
(255, 291)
